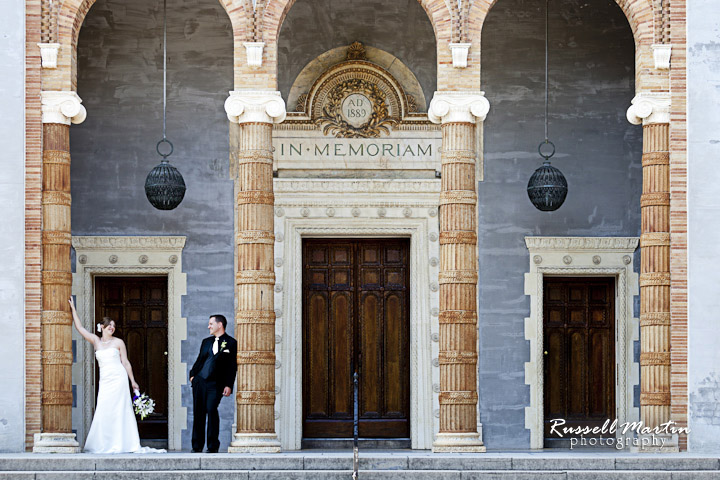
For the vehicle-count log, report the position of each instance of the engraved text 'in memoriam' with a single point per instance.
(346, 149)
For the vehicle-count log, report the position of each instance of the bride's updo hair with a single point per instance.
(100, 326)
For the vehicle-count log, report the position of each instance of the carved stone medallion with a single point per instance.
(356, 108)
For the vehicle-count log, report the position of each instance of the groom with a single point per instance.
(212, 377)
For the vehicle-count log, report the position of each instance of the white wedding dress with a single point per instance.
(114, 428)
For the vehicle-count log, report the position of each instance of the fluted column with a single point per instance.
(255, 112)
(652, 110)
(59, 110)
(458, 112)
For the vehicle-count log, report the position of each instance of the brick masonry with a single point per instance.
(33, 221)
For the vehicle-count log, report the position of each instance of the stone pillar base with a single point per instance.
(458, 443)
(55, 443)
(254, 443)
(656, 444)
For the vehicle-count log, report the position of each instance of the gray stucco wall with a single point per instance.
(401, 27)
(12, 232)
(591, 85)
(703, 224)
(120, 82)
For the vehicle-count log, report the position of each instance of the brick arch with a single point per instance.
(274, 12)
(639, 14)
(72, 14)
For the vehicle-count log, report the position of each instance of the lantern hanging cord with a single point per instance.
(546, 72)
(165, 69)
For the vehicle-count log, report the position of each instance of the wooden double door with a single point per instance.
(139, 306)
(579, 351)
(356, 317)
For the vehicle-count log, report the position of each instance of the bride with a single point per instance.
(114, 428)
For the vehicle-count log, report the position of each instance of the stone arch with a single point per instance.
(274, 12)
(72, 14)
(639, 14)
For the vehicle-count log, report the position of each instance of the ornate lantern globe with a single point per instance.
(547, 187)
(164, 185)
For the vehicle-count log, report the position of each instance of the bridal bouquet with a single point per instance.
(143, 405)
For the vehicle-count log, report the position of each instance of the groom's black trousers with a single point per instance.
(206, 398)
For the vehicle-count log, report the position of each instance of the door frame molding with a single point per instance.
(583, 257)
(357, 209)
(116, 256)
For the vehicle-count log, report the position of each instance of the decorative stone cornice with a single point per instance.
(628, 244)
(462, 107)
(361, 186)
(255, 106)
(661, 55)
(650, 107)
(128, 243)
(62, 107)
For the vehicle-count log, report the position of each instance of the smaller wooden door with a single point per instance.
(139, 307)
(579, 351)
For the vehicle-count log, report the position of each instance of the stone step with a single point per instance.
(323, 465)
(364, 475)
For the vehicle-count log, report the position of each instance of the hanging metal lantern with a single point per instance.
(164, 185)
(547, 187)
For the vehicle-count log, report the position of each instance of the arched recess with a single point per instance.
(274, 13)
(639, 14)
(72, 14)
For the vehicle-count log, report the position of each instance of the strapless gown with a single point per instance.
(114, 428)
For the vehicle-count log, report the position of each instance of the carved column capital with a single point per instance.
(649, 108)
(255, 106)
(62, 107)
(462, 107)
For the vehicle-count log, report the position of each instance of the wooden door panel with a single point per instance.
(139, 307)
(395, 354)
(370, 335)
(317, 369)
(579, 344)
(365, 327)
(341, 354)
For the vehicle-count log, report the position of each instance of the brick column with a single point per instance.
(458, 112)
(652, 110)
(59, 110)
(255, 112)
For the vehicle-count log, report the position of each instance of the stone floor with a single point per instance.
(374, 464)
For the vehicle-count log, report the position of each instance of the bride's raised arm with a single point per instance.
(76, 320)
(126, 364)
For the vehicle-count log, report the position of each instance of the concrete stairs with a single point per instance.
(375, 465)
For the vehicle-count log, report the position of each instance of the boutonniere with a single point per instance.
(222, 345)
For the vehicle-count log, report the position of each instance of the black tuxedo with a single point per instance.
(211, 374)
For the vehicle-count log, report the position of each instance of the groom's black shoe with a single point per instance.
(196, 451)
(212, 451)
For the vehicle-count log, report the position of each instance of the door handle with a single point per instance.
(166, 353)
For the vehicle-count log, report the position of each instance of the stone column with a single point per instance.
(458, 113)
(59, 110)
(652, 110)
(255, 112)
